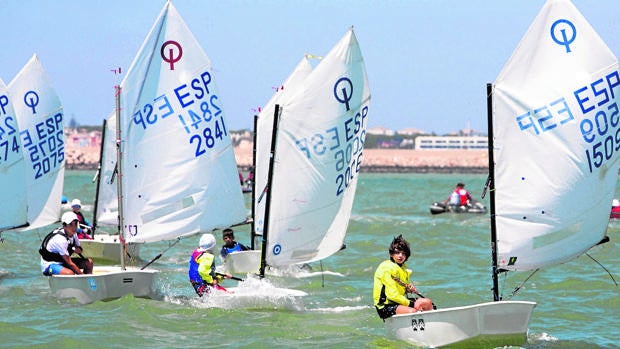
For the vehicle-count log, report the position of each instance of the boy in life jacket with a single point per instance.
(57, 247)
(84, 226)
(392, 283)
(459, 197)
(201, 271)
(230, 245)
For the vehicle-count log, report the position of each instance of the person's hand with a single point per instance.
(411, 288)
(227, 276)
(77, 249)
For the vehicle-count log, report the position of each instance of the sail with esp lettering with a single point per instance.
(13, 196)
(556, 121)
(179, 171)
(318, 154)
(40, 120)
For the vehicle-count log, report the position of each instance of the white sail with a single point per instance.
(13, 197)
(556, 133)
(107, 194)
(40, 120)
(264, 130)
(318, 156)
(179, 171)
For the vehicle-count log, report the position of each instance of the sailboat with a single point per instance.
(177, 174)
(309, 182)
(104, 246)
(553, 164)
(249, 261)
(13, 195)
(39, 115)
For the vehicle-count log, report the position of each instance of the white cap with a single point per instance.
(615, 203)
(69, 217)
(76, 202)
(207, 241)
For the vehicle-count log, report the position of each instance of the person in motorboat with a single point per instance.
(230, 245)
(615, 208)
(84, 226)
(392, 283)
(459, 197)
(57, 247)
(201, 271)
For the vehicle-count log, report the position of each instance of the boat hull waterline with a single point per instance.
(106, 283)
(483, 325)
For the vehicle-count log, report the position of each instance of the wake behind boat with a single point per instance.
(548, 207)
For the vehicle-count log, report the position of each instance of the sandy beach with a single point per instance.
(375, 160)
(405, 160)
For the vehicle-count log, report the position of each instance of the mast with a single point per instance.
(98, 177)
(272, 155)
(253, 224)
(119, 179)
(492, 192)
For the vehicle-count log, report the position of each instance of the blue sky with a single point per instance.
(428, 61)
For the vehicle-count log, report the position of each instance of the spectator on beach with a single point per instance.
(201, 269)
(459, 197)
(84, 226)
(391, 284)
(230, 245)
(57, 247)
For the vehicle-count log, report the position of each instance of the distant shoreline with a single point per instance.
(374, 160)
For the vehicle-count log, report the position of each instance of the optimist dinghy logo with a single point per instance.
(92, 284)
(563, 32)
(31, 99)
(171, 58)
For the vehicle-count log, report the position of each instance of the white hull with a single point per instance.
(242, 262)
(484, 325)
(107, 248)
(106, 283)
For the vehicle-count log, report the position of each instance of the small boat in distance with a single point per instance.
(473, 207)
(615, 209)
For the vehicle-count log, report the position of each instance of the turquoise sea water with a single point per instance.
(578, 304)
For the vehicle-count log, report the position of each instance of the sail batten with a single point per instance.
(555, 113)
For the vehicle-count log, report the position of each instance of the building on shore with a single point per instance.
(451, 142)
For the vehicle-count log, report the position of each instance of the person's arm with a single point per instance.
(243, 247)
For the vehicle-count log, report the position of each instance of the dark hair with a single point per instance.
(399, 243)
(459, 184)
(228, 233)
